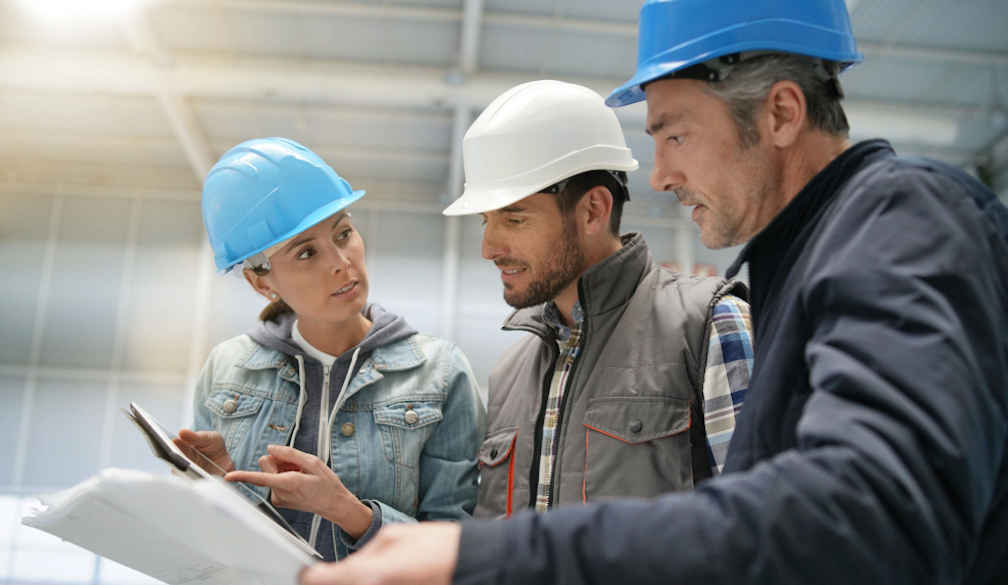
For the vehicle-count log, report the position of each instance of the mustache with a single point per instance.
(512, 262)
(686, 196)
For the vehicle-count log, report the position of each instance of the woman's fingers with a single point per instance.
(290, 458)
(202, 440)
(268, 480)
(200, 446)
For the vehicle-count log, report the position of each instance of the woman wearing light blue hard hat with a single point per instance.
(354, 418)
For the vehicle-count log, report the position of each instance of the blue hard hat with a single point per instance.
(265, 191)
(676, 34)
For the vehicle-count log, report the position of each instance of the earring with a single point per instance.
(273, 296)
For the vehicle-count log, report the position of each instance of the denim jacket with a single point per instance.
(411, 467)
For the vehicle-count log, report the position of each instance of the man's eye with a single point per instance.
(676, 138)
(515, 221)
(308, 253)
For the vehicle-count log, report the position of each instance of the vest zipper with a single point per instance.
(564, 395)
(540, 420)
(537, 436)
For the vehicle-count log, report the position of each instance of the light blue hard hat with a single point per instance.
(677, 34)
(265, 191)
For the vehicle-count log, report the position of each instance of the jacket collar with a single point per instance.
(784, 229)
(602, 288)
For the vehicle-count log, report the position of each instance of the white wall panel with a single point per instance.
(161, 304)
(64, 439)
(407, 276)
(84, 296)
(11, 398)
(24, 221)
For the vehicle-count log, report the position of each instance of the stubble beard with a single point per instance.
(556, 275)
(727, 227)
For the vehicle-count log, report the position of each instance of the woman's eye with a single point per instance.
(308, 253)
(344, 234)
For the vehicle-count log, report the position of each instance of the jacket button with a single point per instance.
(412, 417)
(493, 453)
(636, 426)
(347, 429)
(230, 406)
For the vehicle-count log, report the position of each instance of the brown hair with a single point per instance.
(581, 183)
(273, 310)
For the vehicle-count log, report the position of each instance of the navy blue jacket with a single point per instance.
(872, 444)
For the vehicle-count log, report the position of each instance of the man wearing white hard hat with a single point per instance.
(619, 355)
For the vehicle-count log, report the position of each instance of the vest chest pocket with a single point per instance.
(405, 427)
(496, 461)
(636, 446)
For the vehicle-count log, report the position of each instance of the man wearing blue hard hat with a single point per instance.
(873, 447)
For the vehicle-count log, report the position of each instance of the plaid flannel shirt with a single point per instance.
(726, 378)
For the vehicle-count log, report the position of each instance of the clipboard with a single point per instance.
(166, 450)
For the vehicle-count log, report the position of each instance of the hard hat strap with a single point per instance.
(718, 69)
(558, 187)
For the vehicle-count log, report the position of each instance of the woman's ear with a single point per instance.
(260, 285)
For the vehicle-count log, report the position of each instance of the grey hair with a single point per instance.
(749, 83)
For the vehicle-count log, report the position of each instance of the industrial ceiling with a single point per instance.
(385, 90)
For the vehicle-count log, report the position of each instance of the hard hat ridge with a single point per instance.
(264, 191)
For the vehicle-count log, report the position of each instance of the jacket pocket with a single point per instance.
(405, 427)
(636, 446)
(496, 461)
(233, 413)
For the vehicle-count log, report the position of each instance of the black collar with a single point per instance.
(782, 230)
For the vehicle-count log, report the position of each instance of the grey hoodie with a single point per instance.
(386, 328)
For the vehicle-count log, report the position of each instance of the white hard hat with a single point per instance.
(535, 135)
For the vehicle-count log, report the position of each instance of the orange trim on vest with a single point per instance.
(510, 486)
(604, 433)
(584, 480)
(688, 425)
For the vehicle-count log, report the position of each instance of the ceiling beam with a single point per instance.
(588, 26)
(472, 24)
(181, 119)
(298, 81)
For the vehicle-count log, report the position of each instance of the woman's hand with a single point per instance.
(210, 445)
(303, 482)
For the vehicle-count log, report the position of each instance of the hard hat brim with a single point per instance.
(309, 221)
(491, 197)
(762, 35)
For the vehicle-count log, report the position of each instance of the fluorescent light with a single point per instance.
(81, 10)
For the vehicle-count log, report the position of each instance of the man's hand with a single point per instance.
(400, 554)
(303, 482)
(208, 443)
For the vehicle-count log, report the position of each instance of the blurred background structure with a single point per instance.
(112, 112)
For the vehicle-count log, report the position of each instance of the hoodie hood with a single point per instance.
(386, 328)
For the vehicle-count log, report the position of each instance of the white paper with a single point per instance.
(173, 529)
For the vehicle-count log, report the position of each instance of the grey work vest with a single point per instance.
(631, 419)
